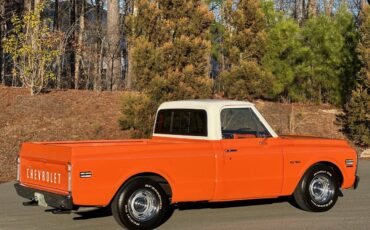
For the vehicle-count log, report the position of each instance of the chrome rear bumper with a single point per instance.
(52, 199)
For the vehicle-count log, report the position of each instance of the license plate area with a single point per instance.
(40, 198)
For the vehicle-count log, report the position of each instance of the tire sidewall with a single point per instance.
(328, 172)
(121, 204)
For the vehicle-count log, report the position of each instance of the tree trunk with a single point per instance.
(35, 3)
(2, 23)
(56, 27)
(80, 45)
(328, 5)
(363, 3)
(303, 10)
(113, 41)
(296, 10)
(71, 40)
(56, 16)
(312, 8)
(28, 5)
(98, 74)
(130, 75)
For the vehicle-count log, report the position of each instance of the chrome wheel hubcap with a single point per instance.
(321, 189)
(143, 205)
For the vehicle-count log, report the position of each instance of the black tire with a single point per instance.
(167, 216)
(141, 204)
(318, 190)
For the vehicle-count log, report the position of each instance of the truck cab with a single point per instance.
(252, 155)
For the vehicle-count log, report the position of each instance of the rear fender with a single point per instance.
(137, 173)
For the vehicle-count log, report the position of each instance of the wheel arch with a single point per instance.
(158, 178)
(330, 164)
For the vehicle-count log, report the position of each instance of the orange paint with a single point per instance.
(196, 170)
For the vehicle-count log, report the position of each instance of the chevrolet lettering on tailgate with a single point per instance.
(42, 175)
(201, 150)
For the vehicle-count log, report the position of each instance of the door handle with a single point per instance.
(231, 150)
(262, 142)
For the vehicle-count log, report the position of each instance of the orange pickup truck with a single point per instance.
(201, 150)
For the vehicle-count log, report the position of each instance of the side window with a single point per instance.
(187, 122)
(239, 123)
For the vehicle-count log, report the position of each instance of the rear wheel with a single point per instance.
(141, 204)
(318, 190)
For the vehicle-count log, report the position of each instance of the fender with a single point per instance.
(133, 173)
(291, 183)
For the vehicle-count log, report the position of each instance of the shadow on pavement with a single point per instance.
(233, 204)
(95, 213)
(105, 212)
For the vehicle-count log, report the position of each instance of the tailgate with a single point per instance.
(45, 167)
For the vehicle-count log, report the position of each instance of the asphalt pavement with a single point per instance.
(351, 212)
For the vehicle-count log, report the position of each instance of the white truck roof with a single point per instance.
(213, 107)
(203, 104)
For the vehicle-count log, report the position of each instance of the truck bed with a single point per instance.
(45, 165)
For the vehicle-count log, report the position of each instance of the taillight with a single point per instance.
(69, 177)
(18, 169)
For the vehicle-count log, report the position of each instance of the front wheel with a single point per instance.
(141, 204)
(318, 189)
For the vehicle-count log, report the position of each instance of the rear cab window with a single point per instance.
(182, 122)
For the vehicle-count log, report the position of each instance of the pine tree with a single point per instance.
(326, 63)
(244, 48)
(283, 45)
(358, 107)
(314, 62)
(169, 50)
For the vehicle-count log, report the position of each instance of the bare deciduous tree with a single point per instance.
(113, 45)
(99, 47)
(312, 7)
(80, 44)
(131, 9)
(328, 7)
(71, 41)
(2, 23)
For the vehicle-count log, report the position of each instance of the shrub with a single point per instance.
(138, 113)
(244, 81)
(358, 107)
(358, 116)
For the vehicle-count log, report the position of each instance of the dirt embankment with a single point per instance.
(82, 115)
(58, 115)
(303, 119)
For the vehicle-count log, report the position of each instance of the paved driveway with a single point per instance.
(351, 212)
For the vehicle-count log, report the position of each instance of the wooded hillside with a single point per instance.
(306, 51)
